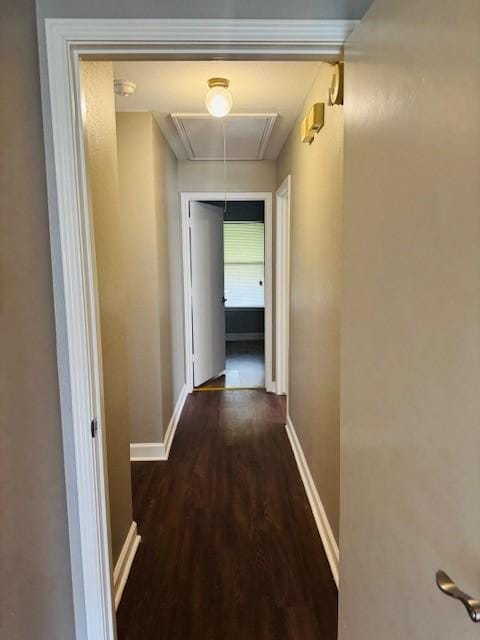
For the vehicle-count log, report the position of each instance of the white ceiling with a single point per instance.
(257, 87)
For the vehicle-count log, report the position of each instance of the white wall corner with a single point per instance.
(124, 562)
(278, 389)
(324, 529)
(154, 451)
(270, 386)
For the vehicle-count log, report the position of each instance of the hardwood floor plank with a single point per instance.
(244, 367)
(229, 546)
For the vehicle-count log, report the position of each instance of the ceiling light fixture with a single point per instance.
(124, 88)
(218, 100)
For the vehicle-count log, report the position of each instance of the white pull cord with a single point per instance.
(224, 164)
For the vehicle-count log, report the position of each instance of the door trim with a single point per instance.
(282, 284)
(76, 315)
(187, 197)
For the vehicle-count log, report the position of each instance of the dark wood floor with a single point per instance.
(229, 546)
(244, 367)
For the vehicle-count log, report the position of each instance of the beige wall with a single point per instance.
(166, 171)
(316, 235)
(170, 269)
(410, 365)
(101, 149)
(241, 175)
(139, 223)
(150, 214)
(35, 581)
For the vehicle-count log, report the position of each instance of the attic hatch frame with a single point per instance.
(80, 378)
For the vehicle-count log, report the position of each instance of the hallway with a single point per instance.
(229, 546)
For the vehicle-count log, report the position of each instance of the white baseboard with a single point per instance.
(172, 425)
(324, 529)
(150, 451)
(242, 337)
(124, 562)
(147, 451)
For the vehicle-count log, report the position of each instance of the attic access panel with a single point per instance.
(247, 135)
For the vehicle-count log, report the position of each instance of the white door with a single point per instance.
(208, 310)
(410, 365)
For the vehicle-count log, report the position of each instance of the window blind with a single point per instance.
(244, 258)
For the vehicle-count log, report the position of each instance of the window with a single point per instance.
(244, 256)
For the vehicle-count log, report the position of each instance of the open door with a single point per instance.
(410, 365)
(208, 311)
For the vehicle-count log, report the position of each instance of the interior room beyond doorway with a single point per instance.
(243, 295)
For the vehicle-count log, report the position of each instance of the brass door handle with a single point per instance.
(449, 588)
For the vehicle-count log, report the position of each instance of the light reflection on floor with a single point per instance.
(245, 366)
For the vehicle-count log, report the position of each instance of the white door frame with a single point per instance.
(80, 375)
(282, 285)
(266, 198)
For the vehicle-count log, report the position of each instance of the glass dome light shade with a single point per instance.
(218, 101)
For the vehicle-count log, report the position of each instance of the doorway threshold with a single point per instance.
(229, 389)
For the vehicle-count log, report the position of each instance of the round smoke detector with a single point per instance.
(124, 87)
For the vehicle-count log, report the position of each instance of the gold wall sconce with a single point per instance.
(335, 93)
(313, 122)
(315, 118)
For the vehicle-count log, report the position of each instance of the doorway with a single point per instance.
(229, 331)
(228, 294)
(67, 41)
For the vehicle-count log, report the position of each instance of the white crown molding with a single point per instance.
(324, 529)
(267, 132)
(178, 121)
(319, 37)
